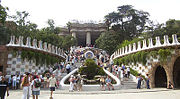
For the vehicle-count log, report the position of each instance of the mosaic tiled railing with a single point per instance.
(135, 47)
(36, 45)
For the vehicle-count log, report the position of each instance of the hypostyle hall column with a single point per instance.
(74, 34)
(88, 38)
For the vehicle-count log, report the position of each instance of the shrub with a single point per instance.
(91, 69)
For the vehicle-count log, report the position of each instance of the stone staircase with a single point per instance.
(57, 72)
(129, 83)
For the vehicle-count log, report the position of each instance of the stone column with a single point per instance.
(74, 34)
(88, 38)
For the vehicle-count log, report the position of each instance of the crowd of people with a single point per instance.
(31, 83)
(76, 83)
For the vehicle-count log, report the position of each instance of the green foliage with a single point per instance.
(127, 23)
(108, 41)
(171, 26)
(133, 58)
(91, 69)
(163, 54)
(126, 42)
(21, 26)
(135, 73)
(153, 54)
(39, 58)
(126, 20)
(3, 14)
(68, 42)
(142, 57)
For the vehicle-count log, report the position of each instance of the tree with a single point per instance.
(128, 22)
(125, 24)
(172, 26)
(51, 25)
(69, 27)
(4, 31)
(3, 14)
(108, 41)
(68, 42)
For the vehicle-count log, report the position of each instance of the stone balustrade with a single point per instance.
(40, 46)
(142, 45)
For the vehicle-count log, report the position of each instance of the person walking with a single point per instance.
(35, 87)
(14, 79)
(25, 84)
(139, 78)
(128, 72)
(18, 81)
(147, 81)
(52, 84)
(102, 83)
(79, 82)
(10, 82)
(71, 80)
(4, 87)
(1, 75)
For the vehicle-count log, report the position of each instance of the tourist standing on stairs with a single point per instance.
(128, 72)
(68, 68)
(73, 61)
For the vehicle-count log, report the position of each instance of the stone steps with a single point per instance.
(129, 84)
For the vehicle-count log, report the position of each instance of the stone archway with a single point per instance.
(160, 77)
(176, 73)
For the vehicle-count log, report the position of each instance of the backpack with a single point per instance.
(37, 83)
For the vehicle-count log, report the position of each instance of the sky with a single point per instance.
(62, 11)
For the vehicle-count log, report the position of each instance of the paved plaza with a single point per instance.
(116, 94)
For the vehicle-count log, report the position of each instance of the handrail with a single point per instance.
(72, 72)
(129, 50)
(36, 45)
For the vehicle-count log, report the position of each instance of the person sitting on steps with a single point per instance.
(108, 83)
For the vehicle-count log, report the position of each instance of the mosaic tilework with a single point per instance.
(17, 66)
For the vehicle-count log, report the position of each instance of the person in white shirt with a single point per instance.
(52, 83)
(71, 79)
(128, 72)
(68, 68)
(35, 86)
(0, 76)
(14, 82)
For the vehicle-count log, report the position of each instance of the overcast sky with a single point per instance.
(62, 11)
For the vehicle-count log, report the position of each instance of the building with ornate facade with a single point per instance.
(85, 33)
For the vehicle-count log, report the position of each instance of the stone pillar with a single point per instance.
(134, 46)
(175, 40)
(88, 38)
(74, 34)
(158, 42)
(150, 43)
